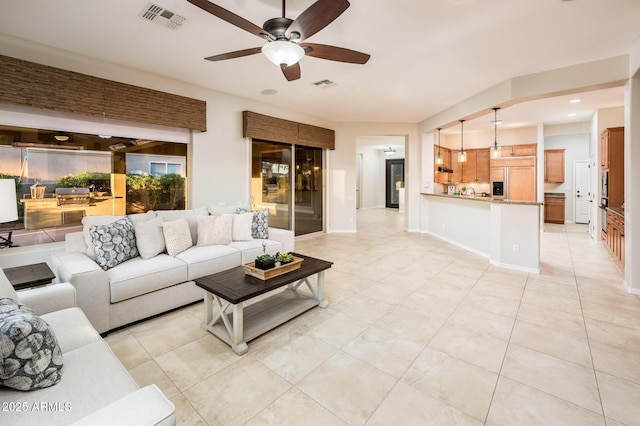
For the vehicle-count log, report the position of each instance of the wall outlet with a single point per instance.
(515, 248)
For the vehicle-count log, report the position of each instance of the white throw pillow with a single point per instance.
(242, 226)
(215, 230)
(177, 236)
(150, 238)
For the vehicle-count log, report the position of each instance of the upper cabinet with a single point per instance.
(475, 169)
(526, 150)
(554, 165)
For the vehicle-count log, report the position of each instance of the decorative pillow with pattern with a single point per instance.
(177, 236)
(260, 224)
(114, 243)
(30, 356)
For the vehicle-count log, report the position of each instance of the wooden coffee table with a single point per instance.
(231, 288)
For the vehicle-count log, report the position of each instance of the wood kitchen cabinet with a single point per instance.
(614, 238)
(525, 150)
(612, 161)
(554, 165)
(475, 169)
(445, 154)
(554, 209)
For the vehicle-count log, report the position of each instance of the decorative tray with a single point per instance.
(265, 274)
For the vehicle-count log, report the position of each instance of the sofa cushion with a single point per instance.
(215, 230)
(189, 215)
(93, 378)
(140, 276)
(30, 357)
(114, 243)
(87, 223)
(150, 238)
(242, 224)
(72, 328)
(260, 224)
(177, 237)
(207, 260)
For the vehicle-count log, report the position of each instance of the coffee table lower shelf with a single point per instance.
(247, 323)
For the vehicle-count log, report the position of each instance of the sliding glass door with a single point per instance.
(289, 182)
(308, 190)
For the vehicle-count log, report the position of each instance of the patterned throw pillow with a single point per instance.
(30, 357)
(260, 224)
(114, 243)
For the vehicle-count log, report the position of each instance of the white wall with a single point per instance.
(576, 148)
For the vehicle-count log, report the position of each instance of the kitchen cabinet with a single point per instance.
(525, 150)
(445, 154)
(612, 161)
(614, 238)
(554, 209)
(554, 165)
(475, 169)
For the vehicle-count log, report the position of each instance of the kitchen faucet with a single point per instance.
(471, 189)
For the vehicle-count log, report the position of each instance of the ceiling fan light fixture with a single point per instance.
(283, 53)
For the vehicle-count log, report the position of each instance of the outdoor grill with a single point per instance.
(73, 196)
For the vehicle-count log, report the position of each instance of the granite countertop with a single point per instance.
(554, 195)
(483, 199)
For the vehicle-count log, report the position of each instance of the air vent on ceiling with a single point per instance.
(159, 15)
(324, 83)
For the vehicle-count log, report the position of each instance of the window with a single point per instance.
(121, 176)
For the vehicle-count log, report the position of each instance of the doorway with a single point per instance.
(582, 196)
(394, 180)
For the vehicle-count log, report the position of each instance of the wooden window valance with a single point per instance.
(273, 129)
(41, 86)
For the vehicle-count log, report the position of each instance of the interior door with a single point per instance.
(583, 198)
(393, 182)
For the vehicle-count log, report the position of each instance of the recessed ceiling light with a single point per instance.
(572, 114)
(575, 101)
(269, 92)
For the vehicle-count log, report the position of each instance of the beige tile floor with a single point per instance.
(418, 332)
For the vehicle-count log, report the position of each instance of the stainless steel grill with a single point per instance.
(73, 196)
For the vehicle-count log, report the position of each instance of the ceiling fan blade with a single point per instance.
(316, 17)
(334, 53)
(292, 72)
(230, 17)
(236, 54)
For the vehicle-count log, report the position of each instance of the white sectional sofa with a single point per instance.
(94, 388)
(139, 288)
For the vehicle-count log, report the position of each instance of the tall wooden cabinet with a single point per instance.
(612, 161)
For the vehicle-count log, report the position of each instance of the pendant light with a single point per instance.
(495, 150)
(439, 157)
(462, 155)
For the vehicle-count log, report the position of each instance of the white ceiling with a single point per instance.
(426, 55)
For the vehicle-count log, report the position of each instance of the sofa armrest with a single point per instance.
(50, 298)
(91, 282)
(284, 236)
(146, 406)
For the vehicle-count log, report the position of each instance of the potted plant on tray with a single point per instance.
(265, 261)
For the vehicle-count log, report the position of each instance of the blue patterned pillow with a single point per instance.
(260, 224)
(114, 243)
(30, 357)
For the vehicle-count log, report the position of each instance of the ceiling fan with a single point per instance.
(284, 36)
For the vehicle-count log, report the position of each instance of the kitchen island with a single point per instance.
(505, 232)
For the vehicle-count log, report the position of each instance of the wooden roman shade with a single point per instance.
(264, 127)
(40, 86)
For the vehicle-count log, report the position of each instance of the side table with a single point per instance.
(29, 275)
